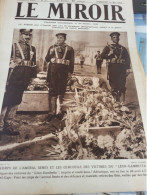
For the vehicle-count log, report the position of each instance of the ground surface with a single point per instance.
(30, 127)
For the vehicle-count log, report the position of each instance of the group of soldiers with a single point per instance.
(60, 57)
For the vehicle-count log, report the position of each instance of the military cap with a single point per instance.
(114, 33)
(25, 31)
(62, 34)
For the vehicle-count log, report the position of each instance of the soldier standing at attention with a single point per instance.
(98, 62)
(61, 65)
(118, 66)
(82, 59)
(22, 68)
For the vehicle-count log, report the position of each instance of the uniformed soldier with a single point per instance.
(99, 61)
(22, 69)
(118, 65)
(61, 65)
(82, 59)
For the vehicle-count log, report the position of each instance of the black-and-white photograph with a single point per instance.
(70, 95)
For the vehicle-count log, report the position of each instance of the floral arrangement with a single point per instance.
(95, 107)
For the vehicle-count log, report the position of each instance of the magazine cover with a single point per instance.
(72, 98)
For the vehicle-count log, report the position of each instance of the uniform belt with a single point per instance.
(120, 61)
(60, 61)
(24, 63)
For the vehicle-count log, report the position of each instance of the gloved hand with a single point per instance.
(128, 72)
(12, 64)
(110, 53)
(69, 76)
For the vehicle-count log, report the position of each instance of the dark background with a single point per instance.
(139, 6)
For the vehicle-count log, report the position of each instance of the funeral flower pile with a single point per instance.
(39, 83)
(95, 108)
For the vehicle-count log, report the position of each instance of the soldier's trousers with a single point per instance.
(81, 62)
(117, 80)
(117, 77)
(7, 115)
(98, 64)
(58, 74)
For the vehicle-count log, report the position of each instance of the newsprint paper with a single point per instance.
(72, 98)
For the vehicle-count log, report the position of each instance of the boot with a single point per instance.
(9, 125)
(9, 130)
(118, 95)
(124, 96)
(61, 113)
(114, 94)
(2, 118)
(50, 117)
(52, 108)
(1, 126)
